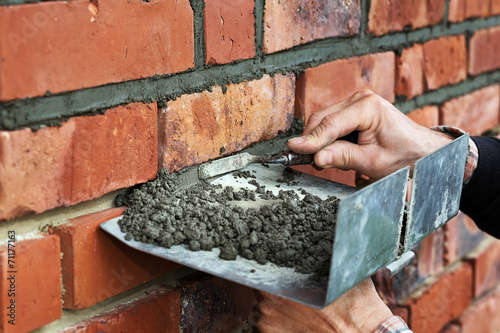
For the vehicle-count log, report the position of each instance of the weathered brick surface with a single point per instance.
(476, 112)
(203, 126)
(445, 61)
(330, 83)
(441, 301)
(461, 236)
(461, 10)
(388, 16)
(293, 22)
(213, 305)
(486, 264)
(484, 49)
(83, 159)
(61, 46)
(410, 72)
(229, 30)
(156, 311)
(483, 315)
(427, 116)
(95, 266)
(37, 284)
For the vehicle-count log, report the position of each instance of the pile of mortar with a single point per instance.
(285, 230)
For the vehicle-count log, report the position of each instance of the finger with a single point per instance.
(331, 127)
(341, 155)
(316, 118)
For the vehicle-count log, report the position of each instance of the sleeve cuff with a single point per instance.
(394, 324)
(472, 153)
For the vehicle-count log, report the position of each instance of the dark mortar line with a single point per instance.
(258, 12)
(51, 110)
(446, 13)
(365, 11)
(440, 96)
(198, 7)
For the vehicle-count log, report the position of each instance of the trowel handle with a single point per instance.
(293, 158)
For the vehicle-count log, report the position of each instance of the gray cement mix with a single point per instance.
(284, 230)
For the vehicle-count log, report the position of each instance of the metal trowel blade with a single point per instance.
(226, 164)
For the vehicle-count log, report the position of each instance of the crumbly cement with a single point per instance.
(284, 230)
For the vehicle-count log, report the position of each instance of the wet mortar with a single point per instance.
(285, 230)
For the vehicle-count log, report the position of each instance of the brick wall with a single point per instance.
(97, 96)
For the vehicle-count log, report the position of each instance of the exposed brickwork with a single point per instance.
(461, 10)
(229, 30)
(476, 112)
(427, 116)
(156, 311)
(389, 16)
(325, 85)
(486, 264)
(93, 274)
(410, 72)
(431, 65)
(484, 50)
(442, 301)
(293, 22)
(483, 315)
(61, 46)
(445, 61)
(37, 284)
(83, 159)
(206, 125)
(461, 236)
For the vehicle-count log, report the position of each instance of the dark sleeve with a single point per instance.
(481, 195)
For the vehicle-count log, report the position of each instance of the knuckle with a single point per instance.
(362, 93)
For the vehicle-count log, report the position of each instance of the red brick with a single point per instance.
(83, 159)
(387, 16)
(340, 176)
(484, 50)
(442, 301)
(486, 264)
(95, 266)
(495, 7)
(483, 315)
(427, 116)
(203, 126)
(156, 311)
(294, 22)
(461, 236)
(37, 283)
(445, 61)
(410, 72)
(229, 31)
(466, 9)
(476, 112)
(330, 83)
(61, 46)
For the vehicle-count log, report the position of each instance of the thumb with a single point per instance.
(341, 155)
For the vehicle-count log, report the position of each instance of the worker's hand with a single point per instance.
(388, 140)
(358, 310)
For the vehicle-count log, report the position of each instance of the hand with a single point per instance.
(359, 310)
(388, 140)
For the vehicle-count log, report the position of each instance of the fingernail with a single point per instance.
(297, 140)
(323, 158)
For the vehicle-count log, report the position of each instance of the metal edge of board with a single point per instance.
(440, 174)
(368, 232)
